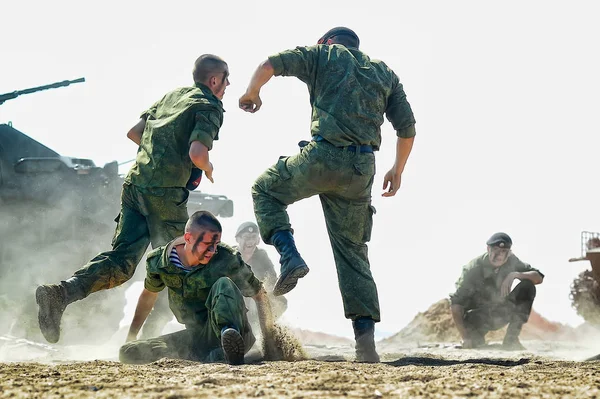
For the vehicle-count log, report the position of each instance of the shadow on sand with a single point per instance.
(431, 361)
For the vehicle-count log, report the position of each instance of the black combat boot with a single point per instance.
(52, 300)
(364, 334)
(233, 345)
(293, 266)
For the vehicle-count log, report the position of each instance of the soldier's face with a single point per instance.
(219, 83)
(248, 241)
(202, 245)
(498, 256)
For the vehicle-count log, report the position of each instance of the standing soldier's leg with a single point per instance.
(107, 270)
(166, 210)
(519, 301)
(349, 224)
(289, 180)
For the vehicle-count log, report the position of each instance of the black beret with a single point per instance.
(501, 240)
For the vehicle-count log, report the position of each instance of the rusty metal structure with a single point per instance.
(585, 289)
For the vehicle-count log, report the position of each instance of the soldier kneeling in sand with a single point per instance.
(484, 301)
(207, 281)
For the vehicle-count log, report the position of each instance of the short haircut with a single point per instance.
(203, 220)
(346, 40)
(206, 66)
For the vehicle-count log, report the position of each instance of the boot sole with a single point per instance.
(287, 283)
(45, 318)
(233, 346)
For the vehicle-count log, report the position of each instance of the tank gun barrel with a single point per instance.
(12, 95)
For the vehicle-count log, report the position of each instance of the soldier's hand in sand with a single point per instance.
(250, 102)
(391, 182)
(507, 284)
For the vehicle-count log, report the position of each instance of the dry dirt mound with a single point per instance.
(436, 325)
(320, 339)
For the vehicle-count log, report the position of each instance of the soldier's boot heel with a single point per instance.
(52, 302)
(364, 334)
(233, 346)
(293, 267)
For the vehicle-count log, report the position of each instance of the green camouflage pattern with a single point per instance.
(200, 342)
(148, 216)
(480, 282)
(182, 116)
(349, 93)
(343, 180)
(189, 291)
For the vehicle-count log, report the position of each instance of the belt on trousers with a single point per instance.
(352, 147)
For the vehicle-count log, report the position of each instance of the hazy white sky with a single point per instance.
(505, 96)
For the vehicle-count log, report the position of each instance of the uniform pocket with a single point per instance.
(369, 223)
(282, 169)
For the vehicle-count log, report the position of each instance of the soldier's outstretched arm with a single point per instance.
(135, 133)
(250, 101)
(393, 178)
(144, 307)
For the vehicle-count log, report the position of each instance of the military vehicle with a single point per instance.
(56, 213)
(585, 289)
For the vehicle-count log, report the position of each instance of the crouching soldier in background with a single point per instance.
(483, 300)
(206, 282)
(248, 238)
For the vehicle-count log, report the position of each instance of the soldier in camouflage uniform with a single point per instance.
(174, 135)
(206, 281)
(484, 301)
(349, 94)
(248, 238)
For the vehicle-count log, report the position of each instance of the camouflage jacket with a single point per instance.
(480, 282)
(180, 117)
(188, 290)
(349, 93)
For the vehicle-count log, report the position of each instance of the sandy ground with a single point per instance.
(435, 370)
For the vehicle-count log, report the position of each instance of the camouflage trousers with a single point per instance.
(342, 179)
(148, 216)
(515, 310)
(225, 305)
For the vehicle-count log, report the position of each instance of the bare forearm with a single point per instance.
(199, 156)
(458, 314)
(135, 133)
(403, 150)
(261, 76)
(144, 307)
(532, 276)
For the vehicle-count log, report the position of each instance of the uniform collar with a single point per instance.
(169, 248)
(208, 92)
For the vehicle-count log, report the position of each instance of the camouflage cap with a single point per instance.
(338, 30)
(501, 240)
(246, 227)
